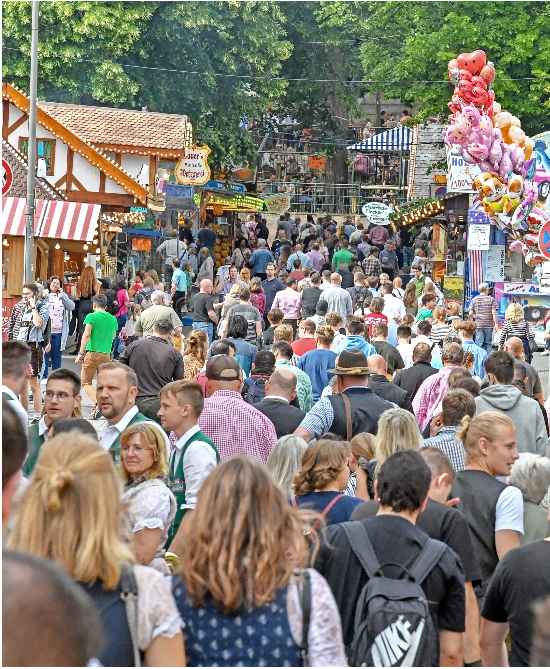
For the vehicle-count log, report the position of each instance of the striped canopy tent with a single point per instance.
(52, 219)
(395, 139)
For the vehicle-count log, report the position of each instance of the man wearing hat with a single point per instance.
(237, 428)
(352, 408)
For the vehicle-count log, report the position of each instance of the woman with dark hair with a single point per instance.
(244, 351)
(59, 305)
(257, 295)
(239, 592)
(120, 285)
(409, 299)
(242, 252)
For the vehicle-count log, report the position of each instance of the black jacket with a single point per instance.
(387, 390)
(412, 378)
(284, 417)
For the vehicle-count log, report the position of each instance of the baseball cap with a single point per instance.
(223, 368)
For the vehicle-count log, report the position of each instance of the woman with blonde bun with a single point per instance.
(493, 510)
(72, 513)
(515, 325)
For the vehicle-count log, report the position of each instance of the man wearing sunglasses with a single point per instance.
(61, 400)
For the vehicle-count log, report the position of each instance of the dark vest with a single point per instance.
(366, 409)
(479, 493)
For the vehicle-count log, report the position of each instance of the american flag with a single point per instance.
(476, 269)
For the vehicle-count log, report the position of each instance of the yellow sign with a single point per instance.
(193, 169)
(453, 287)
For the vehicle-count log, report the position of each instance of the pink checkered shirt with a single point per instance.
(237, 428)
(429, 395)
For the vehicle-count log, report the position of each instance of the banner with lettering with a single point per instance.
(277, 204)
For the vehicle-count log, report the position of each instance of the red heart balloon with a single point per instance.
(473, 62)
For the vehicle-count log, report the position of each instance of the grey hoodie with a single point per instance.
(525, 413)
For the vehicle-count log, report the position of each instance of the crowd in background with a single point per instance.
(260, 487)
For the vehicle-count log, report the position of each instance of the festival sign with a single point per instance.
(193, 169)
(460, 174)
(377, 213)
(277, 204)
(7, 177)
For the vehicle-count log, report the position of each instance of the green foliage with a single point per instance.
(71, 34)
(407, 42)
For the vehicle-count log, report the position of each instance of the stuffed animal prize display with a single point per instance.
(481, 132)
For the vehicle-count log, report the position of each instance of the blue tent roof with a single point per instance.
(395, 139)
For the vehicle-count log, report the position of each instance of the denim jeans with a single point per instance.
(207, 327)
(54, 355)
(484, 337)
(408, 255)
(117, 349)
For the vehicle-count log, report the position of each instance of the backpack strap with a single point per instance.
(294, 502)
(428, 558)
(129, 594)
(347, 407)
(327, 508)
(361, 546)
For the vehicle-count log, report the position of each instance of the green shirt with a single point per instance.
(419, 284)
(423, 314)
(304, 389)
(341, 256)
(104, 327)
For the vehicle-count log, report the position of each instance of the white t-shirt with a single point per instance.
(509, 510)
(406, 351)
(393, 305)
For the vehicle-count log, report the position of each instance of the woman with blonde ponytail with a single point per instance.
(493, 510)
(72, 513)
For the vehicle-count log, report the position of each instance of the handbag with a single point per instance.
(304, 590)
(130, 596)
(533, 345)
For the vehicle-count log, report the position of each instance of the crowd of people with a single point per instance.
(332, 468)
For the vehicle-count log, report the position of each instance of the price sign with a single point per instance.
(494, 268)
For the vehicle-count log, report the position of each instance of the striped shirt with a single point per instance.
(440, 331)
(521, 329)
(481, 308)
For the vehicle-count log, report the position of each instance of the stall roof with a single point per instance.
(395, 139)
(52, 219)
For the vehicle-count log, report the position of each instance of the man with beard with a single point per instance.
(116, 399)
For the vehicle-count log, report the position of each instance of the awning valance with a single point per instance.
(52, 219)
(395, 139)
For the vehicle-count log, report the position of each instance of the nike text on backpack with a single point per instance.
(393, 626)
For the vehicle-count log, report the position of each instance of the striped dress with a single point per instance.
(440, 331)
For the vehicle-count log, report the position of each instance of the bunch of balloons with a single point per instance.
(483, 134)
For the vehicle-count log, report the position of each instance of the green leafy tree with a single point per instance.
(407, 45)
(79, 46)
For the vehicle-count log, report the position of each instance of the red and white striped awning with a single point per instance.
(52, 218)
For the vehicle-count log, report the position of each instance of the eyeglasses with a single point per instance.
(136, 449)
(62, 397)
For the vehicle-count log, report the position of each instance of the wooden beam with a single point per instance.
(5, 118)
(13, 127)
(102, 180)
(77, 183)
(89, 197)
(118, 159)
(61, 181)
(82, 147)
(144, 151)
(152, 172)
(70, 156)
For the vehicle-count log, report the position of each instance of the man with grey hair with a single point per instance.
(155, 363)
(260, 259)
(338, 298)
(301, 256)
(157, 310)
(434, 388)
(280, 390)
(531, 474)
(483, 310)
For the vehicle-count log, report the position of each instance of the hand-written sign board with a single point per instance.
(277, 204)
(193, 168)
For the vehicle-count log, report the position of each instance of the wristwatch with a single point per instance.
(82, 353)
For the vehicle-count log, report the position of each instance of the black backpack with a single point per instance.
(112, 303)
(358, 298)
(393, 625)
(256, 390)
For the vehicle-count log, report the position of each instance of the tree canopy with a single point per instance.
(220, 61)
